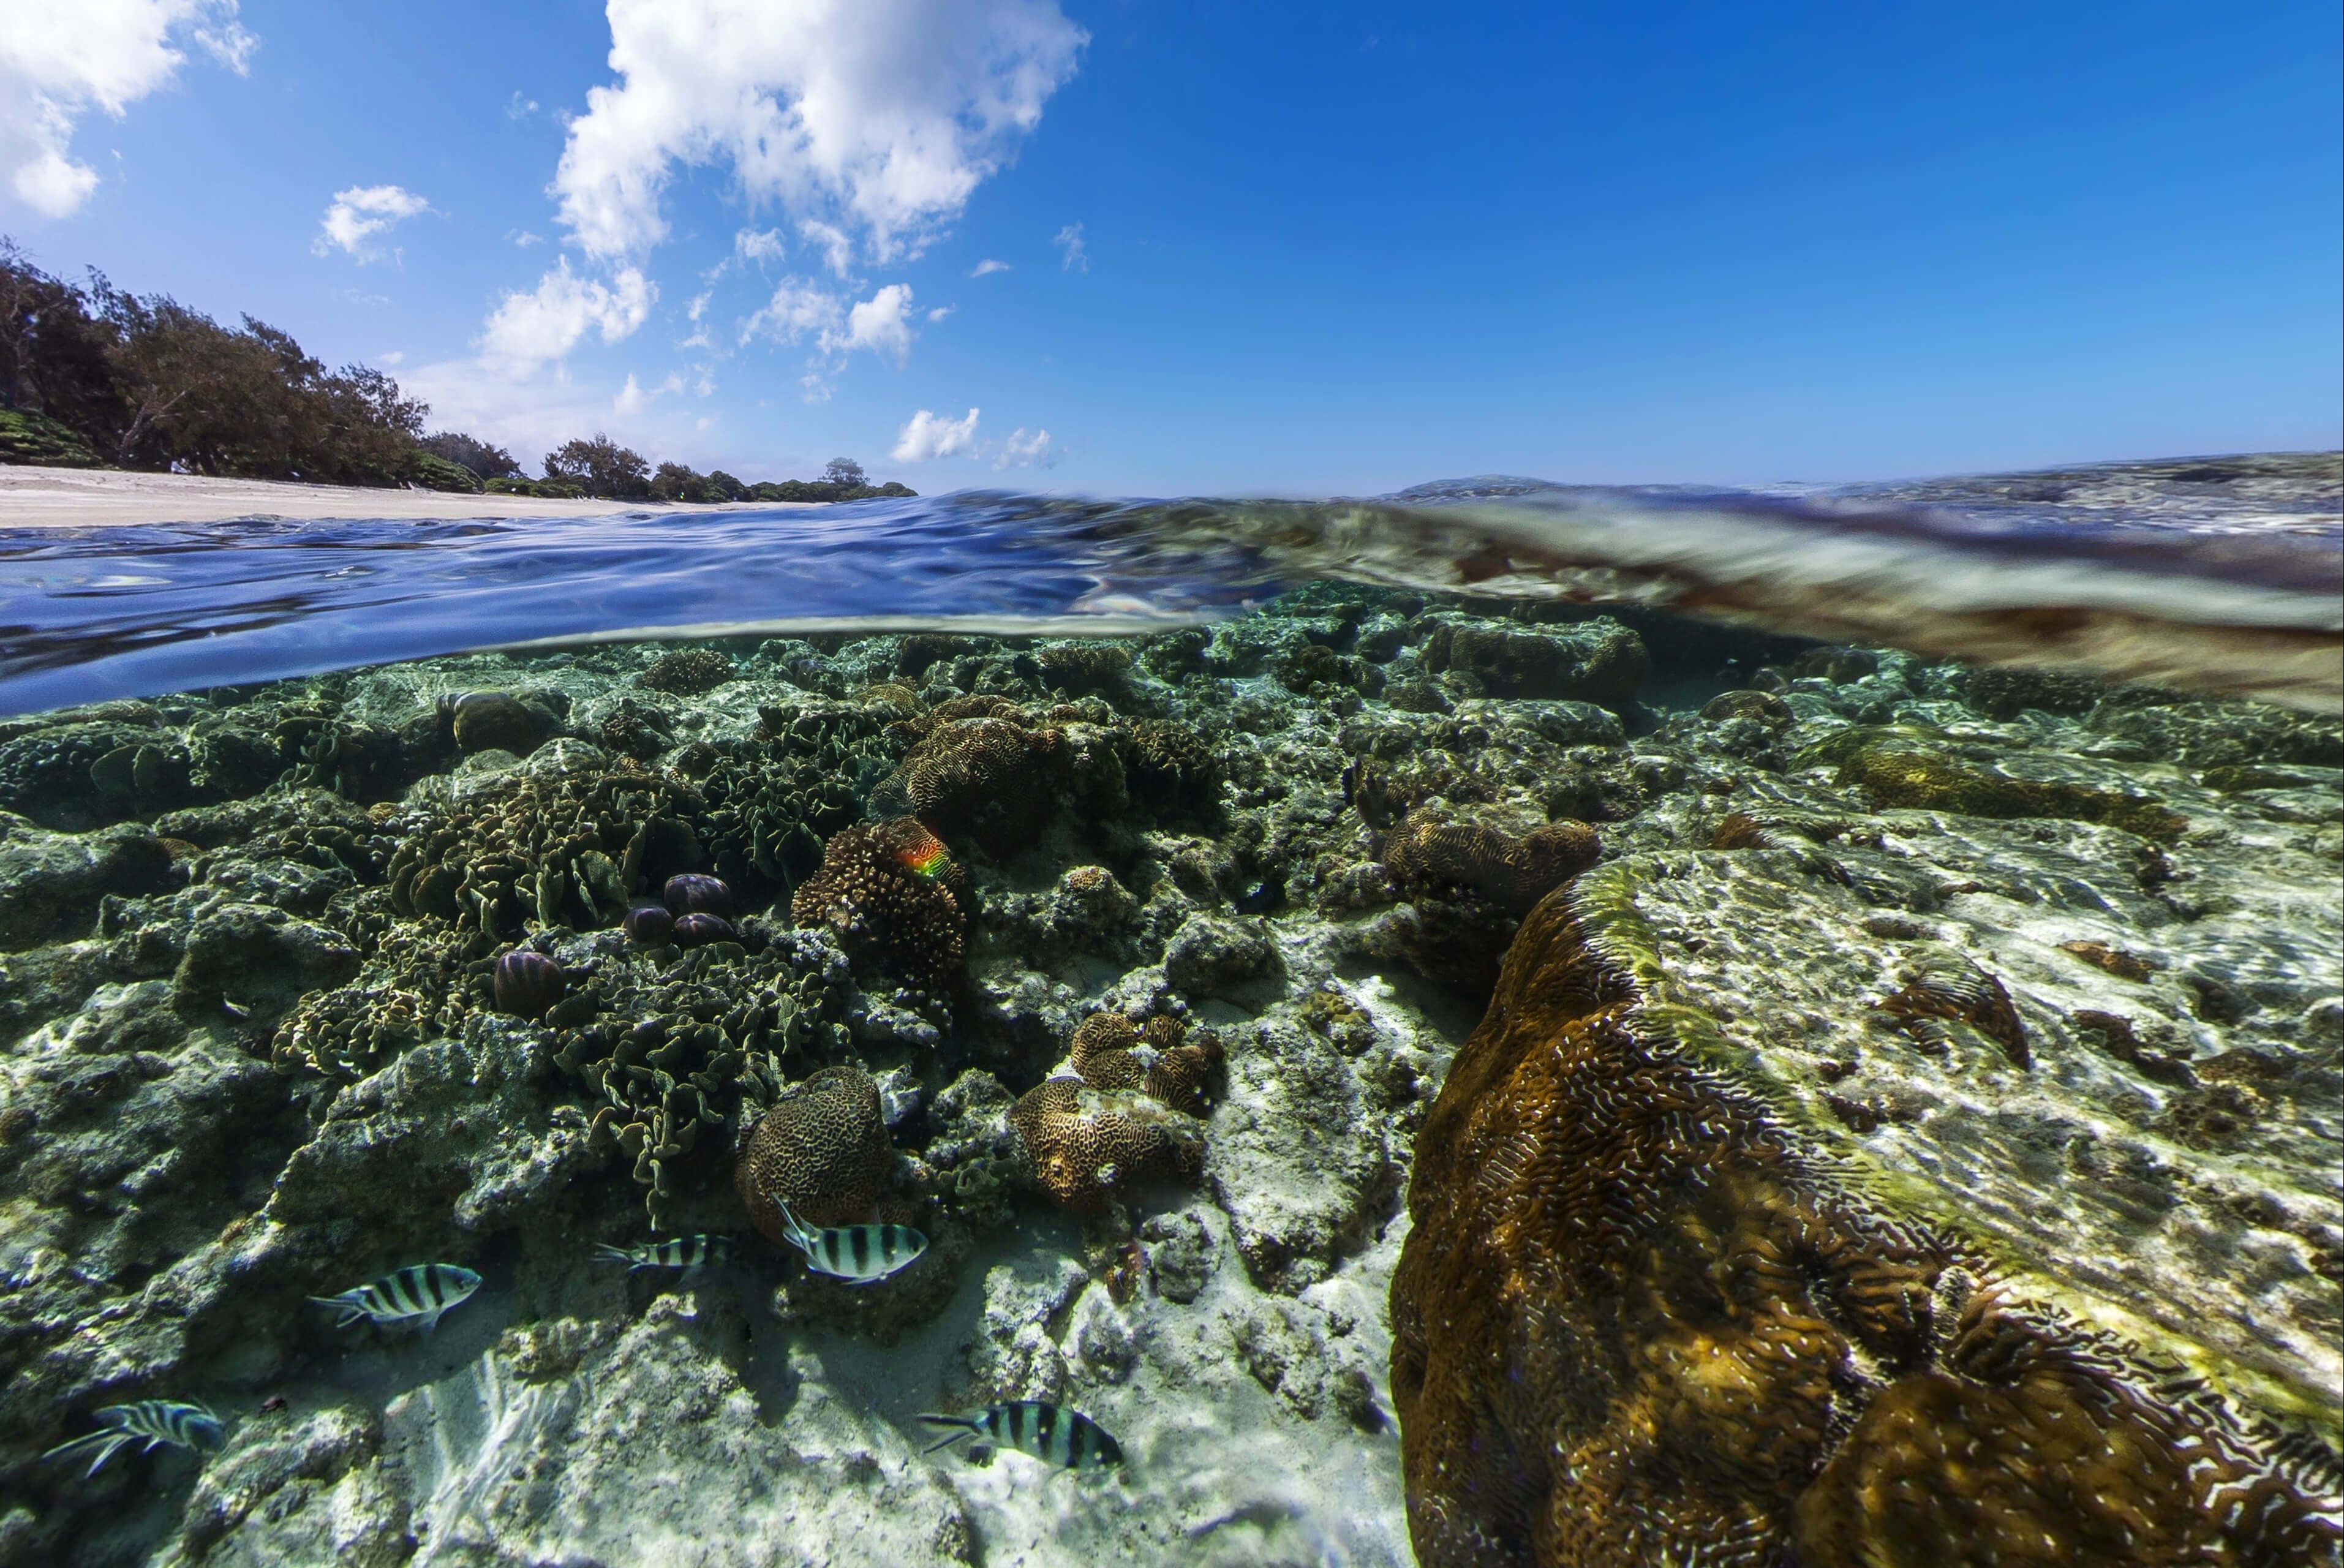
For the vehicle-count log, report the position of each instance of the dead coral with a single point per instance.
(893, 895)
(1944, 986)
(1903, 770)
(1761, 705)
(1430, 854)
(822, 1148)
(687, 672)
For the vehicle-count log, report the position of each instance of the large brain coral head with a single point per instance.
(822, 1148)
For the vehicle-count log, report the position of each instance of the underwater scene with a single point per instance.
(1495, 1026)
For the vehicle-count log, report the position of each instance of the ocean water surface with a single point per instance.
(1500, 1024)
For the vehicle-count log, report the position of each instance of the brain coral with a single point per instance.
(893, 895)
(1944, 986)
(990, 777)
(1120, 1124)
(1634, 1323)
(1428, 854)
(822, 1148)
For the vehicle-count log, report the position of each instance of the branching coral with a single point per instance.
(893, 895)
(687, 672)
(822, 1148)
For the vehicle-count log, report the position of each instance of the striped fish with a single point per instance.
(858, 1254)
(689, 1253)
(159, 1421)
(415, 1295)
(1051, 1433)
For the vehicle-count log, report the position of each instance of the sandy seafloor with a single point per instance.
(198, 913)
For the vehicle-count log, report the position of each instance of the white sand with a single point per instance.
(33, 497)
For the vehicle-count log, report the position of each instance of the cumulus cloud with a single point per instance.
(926, 435)
(1070, 240)
(61, 58)
(797, 308)
(362, 212)
(1021, 451)
(989, 265)
(875, 118)
(882, 324)
(527, 329)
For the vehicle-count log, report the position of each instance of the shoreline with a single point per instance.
(36, 497)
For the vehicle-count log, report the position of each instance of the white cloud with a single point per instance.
(836, 245)
(925, 437)
(1070, 240)
(519, 107)
(877, 117)
(396, 357)
(941, 312)
(524, 238)
(529, 329)
(1023, 451)
(361, 213)
(759, 245)
(61, 58)
(990, 265)
(630, 399)
(796, 309)
(882, 324)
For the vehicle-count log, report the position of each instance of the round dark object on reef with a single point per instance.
(529, 982)
(649, 923)
(694, 894)
(697, 930)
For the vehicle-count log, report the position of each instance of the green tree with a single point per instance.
(845, 473)
(486, 460)
(601, 467)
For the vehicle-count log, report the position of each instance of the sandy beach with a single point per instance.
(32, 497)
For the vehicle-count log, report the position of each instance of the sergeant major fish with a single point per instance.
(689, 1253)
(858, 1254)
(159, 1421)
(1049, 1433)
(416, 1295)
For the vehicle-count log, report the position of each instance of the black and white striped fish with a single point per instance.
(689, 1253)
(159, 1421)
(858, 1254)
(1051, 1433)
(415, 1295)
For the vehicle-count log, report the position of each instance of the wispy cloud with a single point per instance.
(359, 214)
(988, 266)
(1022, 451)
(1069, 239)
(925, 437)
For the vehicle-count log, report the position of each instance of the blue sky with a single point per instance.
(1238, 249)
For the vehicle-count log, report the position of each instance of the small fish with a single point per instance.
(1051, 1433)
(416, 1294)
(689, 1253)
(159, 1421)
(858, 1254)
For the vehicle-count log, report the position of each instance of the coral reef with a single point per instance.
(1634, 1321)
(687, 672)
(1429, 855)
(1121, 1123)
(822, 1148)
(891, 894)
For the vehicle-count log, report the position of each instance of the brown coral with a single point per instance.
(1947, 988)
(1632, 1323)
(1429, 855)
(1125, 1121)
(987, 777)
(1171, 768)
(1084, 666)
(1085, 1143)
(894, 894)
(687, 672)
(1107, 1053)
(823, 1150)
(1762, 705)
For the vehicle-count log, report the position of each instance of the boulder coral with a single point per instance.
(822, 1148)
(1639, 1319)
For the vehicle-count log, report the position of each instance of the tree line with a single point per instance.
(93, 377)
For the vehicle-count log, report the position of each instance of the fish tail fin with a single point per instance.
(106, 1449)
(606, 1253)
(968, 1425)
(71, 1443)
